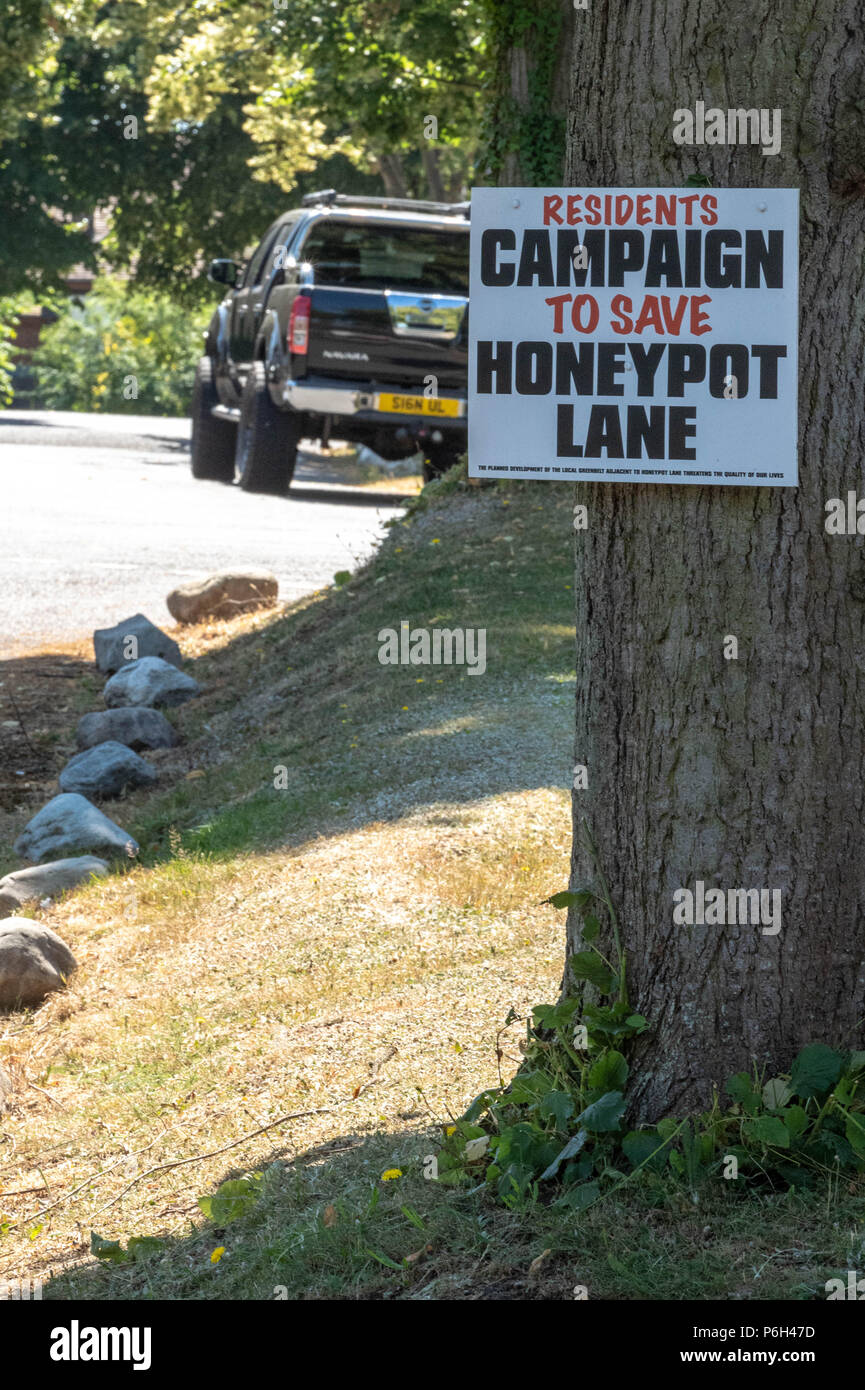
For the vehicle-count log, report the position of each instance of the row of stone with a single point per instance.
(33, 959)
(142, 664)
(144, 669)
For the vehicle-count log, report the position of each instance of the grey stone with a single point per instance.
(106, 770)
(150, 681)
(47, 880)
(110, 644)
(133, 725)
(223, 595)
(33, 961)
(70, 824)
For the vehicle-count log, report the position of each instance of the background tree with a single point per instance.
(25, 37)
(526, 90)
(197, 124)
(741, 773)
(361, 77)
(87, 143)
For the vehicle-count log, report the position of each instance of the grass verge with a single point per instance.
(337, 904)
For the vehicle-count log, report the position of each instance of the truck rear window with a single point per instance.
(382, 258)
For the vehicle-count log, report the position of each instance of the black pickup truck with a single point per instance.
(349, 321)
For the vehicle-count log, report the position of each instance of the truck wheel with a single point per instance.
(213, 441)
(438, 458)
(267, 438)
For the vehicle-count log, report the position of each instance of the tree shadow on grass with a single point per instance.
(323, 1224)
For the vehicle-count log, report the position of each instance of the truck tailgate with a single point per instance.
(388, 336)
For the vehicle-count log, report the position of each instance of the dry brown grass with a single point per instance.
(379, 938)
(211, 998)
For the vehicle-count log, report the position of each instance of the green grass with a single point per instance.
(365, 744)
(338, 720)
(327, 1226)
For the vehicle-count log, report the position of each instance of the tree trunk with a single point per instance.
(530, 49)
(393, 175)
(743, 773)
(432, 173)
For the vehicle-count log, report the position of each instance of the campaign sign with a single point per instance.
(634, 335)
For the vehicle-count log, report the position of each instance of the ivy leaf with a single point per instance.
(554, 1015)
(579, 899)
(142, 1247)
(587, 965)
(231, 1199)
(776, 1093)
(591, 927)
(480, 1104)
(639, 1146)
(572, 1148)
(110, 1250)
(815, 1070)
(796, 1120)
(529, 1088)
(578, 1198)
(604, 1115)
(740, 1088)
(609, 1073)
(558, 1106)
(767, 1129)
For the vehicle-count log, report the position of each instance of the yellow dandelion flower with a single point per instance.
(390, 1173)
(217, 1254)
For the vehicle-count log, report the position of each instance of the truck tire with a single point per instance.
(213, 441)
(438, 458)
(267, 438)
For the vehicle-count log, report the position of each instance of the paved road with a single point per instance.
(103, 518)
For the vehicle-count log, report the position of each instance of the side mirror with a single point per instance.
(223, 272)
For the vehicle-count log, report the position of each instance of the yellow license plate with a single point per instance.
(418, 405)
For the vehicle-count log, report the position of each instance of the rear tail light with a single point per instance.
(298, 324)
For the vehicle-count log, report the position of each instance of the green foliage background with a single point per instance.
(195, 125)
(124, 351)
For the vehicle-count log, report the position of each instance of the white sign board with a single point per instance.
(634, 335)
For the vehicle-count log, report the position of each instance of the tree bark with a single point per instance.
(531, 92)
(743, 773)
(432, 173)
(393, 176)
